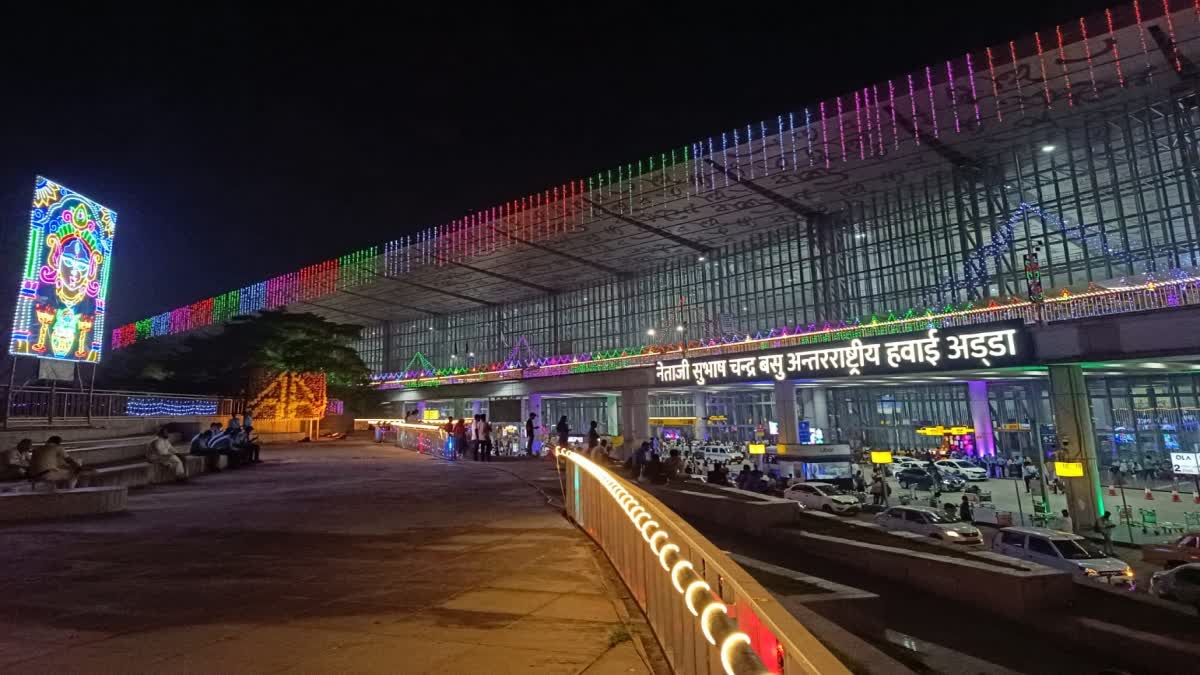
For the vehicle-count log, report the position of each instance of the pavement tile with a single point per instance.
(504, 660)
(500, 600)
(579, 607)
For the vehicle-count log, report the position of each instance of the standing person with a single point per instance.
(530, 428)
(460, 439)
(1029, 473)
(564, 430)
(485, 439)
(876, 490)
(476, 437)
(1065, 523)
(1104, 527)
(160, 452)
(51, 463)
(964, 510)
(593, 436)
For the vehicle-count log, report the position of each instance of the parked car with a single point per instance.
(923, 480)
(824, 497)
(1185, 549)
(1068, 552)
(717, 453)
(1181, 583)
(962, 468)
(929, 522)
(901, 463)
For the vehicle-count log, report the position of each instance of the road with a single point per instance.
(329, 557)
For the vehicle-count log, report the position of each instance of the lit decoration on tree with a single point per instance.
(289, 396)
(60, 303)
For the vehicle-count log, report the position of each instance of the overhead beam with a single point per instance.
(433, 289)
(682, 241)
(339, 311)
(498, 275)
(554, 251)
(782, 200)
(386, 301)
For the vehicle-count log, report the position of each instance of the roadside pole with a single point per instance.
(1125, 508)
(1020, 509)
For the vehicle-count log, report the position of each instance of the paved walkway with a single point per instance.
(333, 557)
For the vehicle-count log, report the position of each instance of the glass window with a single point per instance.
(1013, 539)
(1039, 545)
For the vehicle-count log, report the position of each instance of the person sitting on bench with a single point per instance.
(14, 463)
(202, 445)
(52, 464)
(161, 453)
(249, 444)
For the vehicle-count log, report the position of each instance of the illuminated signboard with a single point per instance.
(1186, 463)
(756, 448)
(881, 456)
(60, 306)
(936, 349)
(1068, 469)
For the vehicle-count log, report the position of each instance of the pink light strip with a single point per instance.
(1012, 51)
(1063, 60)
(1042, 62)
(932, 104)
(974, 94)
(1087, 50)
(1112, 41)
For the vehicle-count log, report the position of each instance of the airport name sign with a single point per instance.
(992, 345)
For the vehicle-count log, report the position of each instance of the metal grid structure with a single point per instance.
(920, 191)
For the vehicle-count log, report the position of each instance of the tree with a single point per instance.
(225, 361)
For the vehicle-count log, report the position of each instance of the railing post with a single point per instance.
(50, 407)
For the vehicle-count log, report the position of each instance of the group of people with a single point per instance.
(476, 438)
(647, 466)
(1136, 469)
(235, 441)
(49, 462)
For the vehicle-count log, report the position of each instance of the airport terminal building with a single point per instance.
(1004, 243)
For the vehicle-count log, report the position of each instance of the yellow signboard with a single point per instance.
(1069, 469)
(718, 418)
(431, 414)
(961, 431)
(932, 431)
(1014, 426)
(757, 448)
(673, 421)
(881, 456)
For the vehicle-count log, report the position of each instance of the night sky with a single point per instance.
(237, 143)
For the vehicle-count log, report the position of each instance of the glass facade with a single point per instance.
(1142, 419)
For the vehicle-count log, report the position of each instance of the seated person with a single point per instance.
(673, 468)
(52, 464)
(249, 444)
(200, 442)
(14, 463)
(160, 452)
(211, 444)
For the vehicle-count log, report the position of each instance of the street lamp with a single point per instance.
(679, 328)
(650, 332)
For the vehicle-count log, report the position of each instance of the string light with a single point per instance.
(1137, 12)
(974, 94)
(912, 101)
(1171, 34)
(1062, 59)
(1012, 51)
(147, 406)
(841, 128)
(1087, 51)
(878, 124)
(824, 136)
(953, 95)
(932, 104)
(862, 150)
(995, 87)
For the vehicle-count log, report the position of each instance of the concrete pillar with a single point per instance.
(820, 410)
(700, 410)
(476, 407)
(420, 411)
(635, 419)
(1076, 443)
(785, 413)
(458, 408)
(981, 417)
(612, 414)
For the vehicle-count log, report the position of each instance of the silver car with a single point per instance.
(931, 523)
(1180, 583)
(1068, 552)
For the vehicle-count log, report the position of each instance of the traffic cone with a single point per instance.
(1149, 495)
(1175, 496)
(1112, 491)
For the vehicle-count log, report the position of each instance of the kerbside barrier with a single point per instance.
(708, 614)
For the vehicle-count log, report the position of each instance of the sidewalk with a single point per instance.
(393, 562)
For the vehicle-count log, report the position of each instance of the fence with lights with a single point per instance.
(709, 615)
(29, 406)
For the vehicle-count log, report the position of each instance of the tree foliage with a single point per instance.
(224, 362)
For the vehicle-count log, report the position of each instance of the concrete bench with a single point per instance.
(19, 506)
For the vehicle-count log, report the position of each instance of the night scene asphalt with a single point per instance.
(329, 557)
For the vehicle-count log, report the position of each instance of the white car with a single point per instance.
(962, 468)
(717, 453)
(902, 463)
(824, 497)
(1068, 552)
(929, 522)
(1181, 583)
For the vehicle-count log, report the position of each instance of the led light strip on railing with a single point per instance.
(737, 656)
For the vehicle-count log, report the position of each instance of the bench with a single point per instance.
(20, 506)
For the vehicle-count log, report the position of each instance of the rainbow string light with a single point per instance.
(554, 211)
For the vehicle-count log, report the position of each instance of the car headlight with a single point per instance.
(1129, 571)
(1091, 572)
(952, 533)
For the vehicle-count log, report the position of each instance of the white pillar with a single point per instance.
(785, 413)
(700, 410)
(476, 405)
(981, 417)
(612, 414)
(635, 419)
(1076, 443)
(820, 410)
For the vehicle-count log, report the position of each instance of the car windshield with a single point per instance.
(935, 517)
(829, 491)
(1071, 550)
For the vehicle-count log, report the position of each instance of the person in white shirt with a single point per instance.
(1066, 524)
(161, 453)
